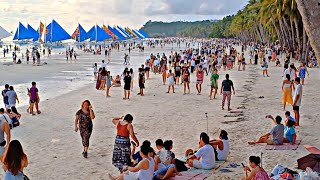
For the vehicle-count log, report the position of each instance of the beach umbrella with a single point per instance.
(311, 160)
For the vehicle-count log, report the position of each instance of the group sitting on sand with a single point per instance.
(148, 164)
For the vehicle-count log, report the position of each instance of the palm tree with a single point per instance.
(309, 10)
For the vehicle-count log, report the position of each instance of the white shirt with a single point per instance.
(292, 74)
(298, 91)
(223, 154)
(207, 156)
(103, 65)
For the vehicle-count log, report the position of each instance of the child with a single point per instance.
(288, 117)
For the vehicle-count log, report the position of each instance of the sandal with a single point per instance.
(38, 112)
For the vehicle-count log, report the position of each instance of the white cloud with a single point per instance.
(132, 13)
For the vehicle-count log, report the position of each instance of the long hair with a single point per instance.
(13, 157)
(85, 101)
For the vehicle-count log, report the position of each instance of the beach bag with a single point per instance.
(180, 165)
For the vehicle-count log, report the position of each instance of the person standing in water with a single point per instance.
(227, 86)
(83, 122)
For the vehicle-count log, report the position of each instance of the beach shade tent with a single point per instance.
(117, 33)
(107, 30)
(123, 31)
(22, 33)
(138, 34)
(97, 34)
(54, 33)
(129, 31)
(79, 34)
(34, 35)
(4, 33)
(144, 33)
(312, 161)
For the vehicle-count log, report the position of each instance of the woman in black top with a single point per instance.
(127, 85)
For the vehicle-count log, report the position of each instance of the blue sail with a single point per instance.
(97, 34)
(144, 33)
(21, 33)
(138, 34)
(56, 33)
(34, 35)
(123, 34)
(123, 31)
(82, 34)
(91, 33)
(117, 33)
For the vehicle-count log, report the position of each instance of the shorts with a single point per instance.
(162, 169)
(296, 108)
(127, 87)
(186, 80)
(147, 69)
(32, 101)
(199, 81)
(141, 86)
(7, 106)
(131, 176)
(178, 74)
(198, 165)
(272, 142)
(214, 87)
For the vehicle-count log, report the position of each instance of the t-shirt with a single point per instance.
(33, 93)
(5, 97)
(178, 68)
(207, 156)
(214, 77)
(103, 65)
(289, 132)
(227, 85)
(291, 119)
(298, 91)
(292, 73)
(277, 133)
(5, 118)
(12, 96)
(165, 156)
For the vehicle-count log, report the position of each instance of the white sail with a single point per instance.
(4, 33)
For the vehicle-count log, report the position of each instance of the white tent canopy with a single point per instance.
(4, 33)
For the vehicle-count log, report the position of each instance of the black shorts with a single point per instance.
(33, 101)
(127, 87)
(178, 73)
(147, 69)
(296, 108)
(141, 86)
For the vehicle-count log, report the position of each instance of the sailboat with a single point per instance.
(108, 31)
(22, 35)
(138, 33)
(55, 34)
(32, 33)
(3, 34)
(129, 31)
(143, 33)
(120, 29)
(120, 37)
(97, 34)
(79, 34)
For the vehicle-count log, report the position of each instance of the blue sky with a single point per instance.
(131, 13)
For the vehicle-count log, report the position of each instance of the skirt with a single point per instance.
(287, 96)
(121, 152)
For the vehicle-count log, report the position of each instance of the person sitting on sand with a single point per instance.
(135, 156)
(290, 135)
(116, 82)
(143, 170)
(288, 117)
(256, 172)
(13, 117)
(204, 157)
(277, 133)
(164, 161)
(221, 146)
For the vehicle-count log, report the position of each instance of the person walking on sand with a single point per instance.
(287, 87)
(34, 98)
(170, 78)
(186, 79)
(4, 129)
(164, 73)
(83, 122)
(121, 150)
(214, 83)
(297, 100)
(5, 96)
(132, 78)
(13, 99)
(265, 67)
(95, 71)
(14, 161)
(141, 80)
(302, 70)
(200, 76)
(108, 84)
(227, 86)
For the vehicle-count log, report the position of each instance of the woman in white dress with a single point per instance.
(170, 78)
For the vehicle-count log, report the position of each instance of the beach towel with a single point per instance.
(285, 146)
(191, 176)
(312, 149)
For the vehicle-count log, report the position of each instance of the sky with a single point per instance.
(126, 13)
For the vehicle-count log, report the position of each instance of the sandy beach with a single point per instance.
(54, 149)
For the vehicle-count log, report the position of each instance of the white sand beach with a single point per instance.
(54, 149)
